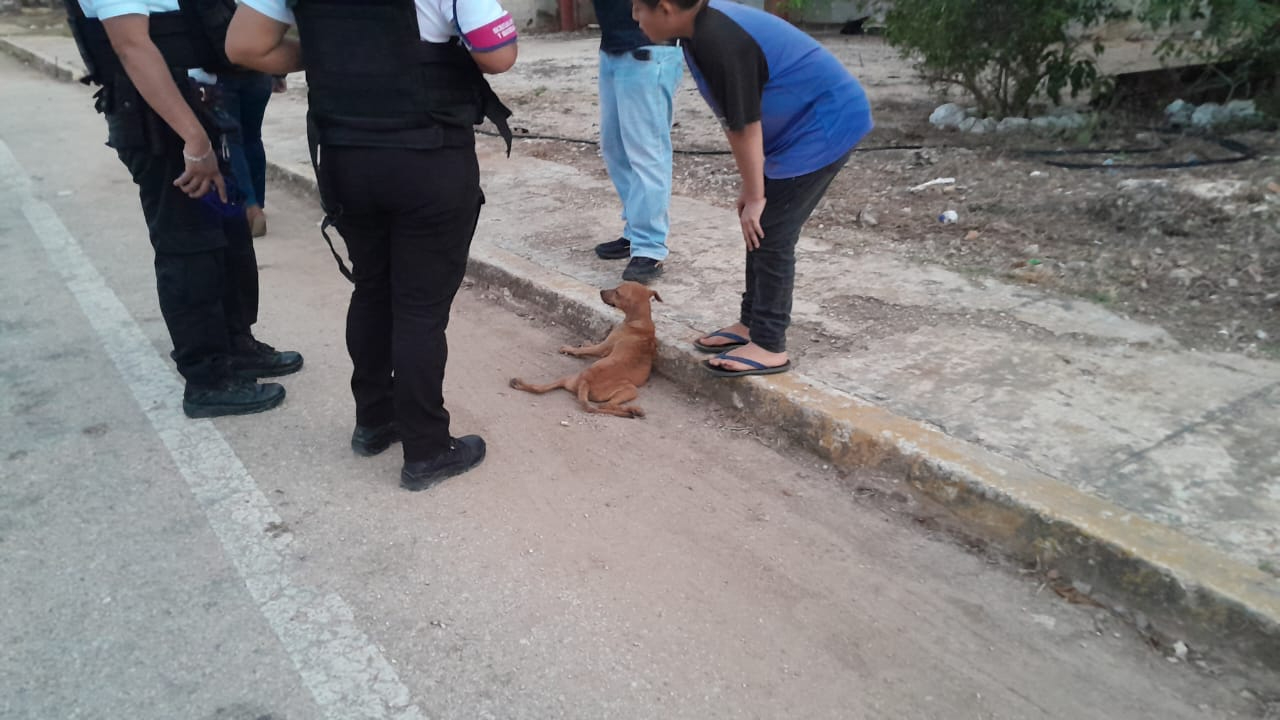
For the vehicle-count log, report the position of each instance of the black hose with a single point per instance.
(523, 134)
(1242, 152)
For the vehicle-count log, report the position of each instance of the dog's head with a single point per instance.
(629, 296)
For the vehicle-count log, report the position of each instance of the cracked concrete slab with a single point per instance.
(1219, 477)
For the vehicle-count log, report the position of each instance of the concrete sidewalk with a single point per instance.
(1068, 436)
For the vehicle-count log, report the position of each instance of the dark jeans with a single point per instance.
(407, 217)
(771, 268)
(244, 96)
(206, 270)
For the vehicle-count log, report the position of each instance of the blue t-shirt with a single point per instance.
(752, 66)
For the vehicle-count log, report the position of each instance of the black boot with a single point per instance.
(619, 249)
(253, 359)
(642, 270)
(233, 396)
(463, 454)
(369, 441)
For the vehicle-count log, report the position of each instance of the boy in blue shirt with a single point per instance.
(793, 115)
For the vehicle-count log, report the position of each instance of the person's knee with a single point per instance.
(774, 251)
(371, 292)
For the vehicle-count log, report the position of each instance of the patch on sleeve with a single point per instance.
(493, 35)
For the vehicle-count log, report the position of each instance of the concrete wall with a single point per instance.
(536, 14)
(842, 11)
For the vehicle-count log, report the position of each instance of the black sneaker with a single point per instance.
(252, 359)
(233, 396)
(619, 249)
(642, 269)
(464, 453)
(369, 441)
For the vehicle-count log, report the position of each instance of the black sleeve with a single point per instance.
(733, 66)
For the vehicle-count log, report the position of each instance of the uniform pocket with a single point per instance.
(126, 130)
(126, 115)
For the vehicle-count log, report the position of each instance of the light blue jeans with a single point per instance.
(636, 104)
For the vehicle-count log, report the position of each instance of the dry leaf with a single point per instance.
(1074, 596)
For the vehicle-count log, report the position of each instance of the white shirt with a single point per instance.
(106, 9)
(482, 24)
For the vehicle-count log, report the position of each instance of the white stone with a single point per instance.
(1207, 115)
(1072, 121)
(1046, 124)
(1241, 110)
(967, 124)
(947, 116)
(1013, 124)
(984, 126)
(1179, 112)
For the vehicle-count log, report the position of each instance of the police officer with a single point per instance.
(141, 53)
(394, 89)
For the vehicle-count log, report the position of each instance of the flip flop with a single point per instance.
(738, 341)
(757, 368)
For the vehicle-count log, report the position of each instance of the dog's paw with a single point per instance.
(516, 383)
(636, 412)
(568, 350)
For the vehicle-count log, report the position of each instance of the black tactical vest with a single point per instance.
(373, 82)
(193, 37)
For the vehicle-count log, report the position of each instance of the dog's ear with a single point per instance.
(654, 294)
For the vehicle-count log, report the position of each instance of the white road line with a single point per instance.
(344, 670)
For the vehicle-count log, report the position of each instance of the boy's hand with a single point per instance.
(747, 145)
(749, 212)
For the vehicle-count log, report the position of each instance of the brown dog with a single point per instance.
(626, 357)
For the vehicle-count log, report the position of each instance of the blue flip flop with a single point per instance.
(757, 368)
(738, 341)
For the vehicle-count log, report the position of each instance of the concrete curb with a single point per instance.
(1188, 590)
(53, 67)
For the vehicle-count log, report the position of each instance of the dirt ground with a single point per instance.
(1195, 250)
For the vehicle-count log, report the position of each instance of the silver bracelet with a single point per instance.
(197, 160)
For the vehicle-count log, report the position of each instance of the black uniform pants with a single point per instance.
(407, 217)
(206, 270)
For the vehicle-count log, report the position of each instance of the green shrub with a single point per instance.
(1005, 53)
(1241, 41)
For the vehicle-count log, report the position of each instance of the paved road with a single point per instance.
(249, 568)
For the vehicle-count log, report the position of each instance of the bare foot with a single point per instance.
(750, 352)
(718, 341)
